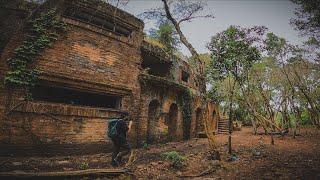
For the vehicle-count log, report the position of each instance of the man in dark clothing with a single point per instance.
(120, 141)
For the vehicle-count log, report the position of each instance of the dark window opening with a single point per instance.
(71, 96)
(214, 114)
(185, 76)
(156, 67)
(95, 19)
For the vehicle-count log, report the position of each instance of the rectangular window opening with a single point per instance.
(75, 97)
(185, 76)
(95, 19)
(156, 67)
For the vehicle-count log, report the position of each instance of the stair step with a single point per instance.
(223, 130)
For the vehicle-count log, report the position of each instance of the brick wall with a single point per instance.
(90, 59)
(87, 59)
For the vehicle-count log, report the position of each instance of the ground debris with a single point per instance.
(289, 159)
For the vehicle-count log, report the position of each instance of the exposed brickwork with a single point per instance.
(88, 58)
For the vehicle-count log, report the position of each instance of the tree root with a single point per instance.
(210, 170)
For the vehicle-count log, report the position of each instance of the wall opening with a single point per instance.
(172, 122)
(153, 118)
(199, 121)
(71, 96)
(185, 76)
(214, 113)
(155, 66)
(96, 20)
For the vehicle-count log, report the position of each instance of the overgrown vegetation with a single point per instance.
(176, 159)
(166, 37)
(40, 33)
(273, 90)
(84, 166)
(185, 102)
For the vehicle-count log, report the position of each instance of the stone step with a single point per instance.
(223, 130)
(223, 126)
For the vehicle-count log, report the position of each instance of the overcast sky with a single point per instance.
(274, 14)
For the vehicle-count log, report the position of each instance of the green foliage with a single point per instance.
(184, 101)
(154, 42)
(305, 118)
(167, 37)
(84, 166)
(176, 159)
(308, 16)
(307, 22)
(233, 52)
(274, 44)
(145, 145)
(41, 32)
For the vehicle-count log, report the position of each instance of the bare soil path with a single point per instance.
(254, 158)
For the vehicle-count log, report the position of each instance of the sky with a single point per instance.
(274, 14)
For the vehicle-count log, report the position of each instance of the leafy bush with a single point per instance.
(176, 159)
(145, 145)
(84, 165)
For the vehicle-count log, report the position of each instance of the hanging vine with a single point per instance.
(41, 32)
(184, 101)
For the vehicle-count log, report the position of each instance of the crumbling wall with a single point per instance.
(166, 98)
(86, 58)
(12, 16)
(89, 58)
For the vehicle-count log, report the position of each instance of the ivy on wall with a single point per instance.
(41, 32)
(184, 101)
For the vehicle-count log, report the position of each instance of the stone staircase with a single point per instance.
(223, 127)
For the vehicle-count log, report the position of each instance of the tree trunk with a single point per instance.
(272, 139)
(254, 126)
(184, 40)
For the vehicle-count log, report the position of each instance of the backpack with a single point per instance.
(112, 128)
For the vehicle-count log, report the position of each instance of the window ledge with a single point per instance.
(66, 109)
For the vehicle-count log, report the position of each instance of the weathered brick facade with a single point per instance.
(93, 59)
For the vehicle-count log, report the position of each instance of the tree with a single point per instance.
(167, 36)
(233, 53)
(307, 21)
(301, 76)
(178, 12)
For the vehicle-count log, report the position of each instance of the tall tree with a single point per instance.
(307, 21)
(301, 75)
(167, 36)
(178, 12)
(233, 53)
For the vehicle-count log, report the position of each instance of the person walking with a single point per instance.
(121, 147)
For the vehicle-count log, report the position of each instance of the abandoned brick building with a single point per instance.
(100, 67)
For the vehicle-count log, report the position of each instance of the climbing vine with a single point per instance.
(184, 101)
(41, 32)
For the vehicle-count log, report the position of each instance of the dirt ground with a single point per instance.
(254, 158)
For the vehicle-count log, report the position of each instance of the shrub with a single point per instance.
(84, 165)
(176, 159)
(145, 145)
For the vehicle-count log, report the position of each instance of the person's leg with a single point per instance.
(116, 150)
(126, 150)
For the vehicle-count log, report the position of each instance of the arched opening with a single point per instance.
(214, 115)
(214, 119)
(153, 118)
(172, 122)
(199, 121)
